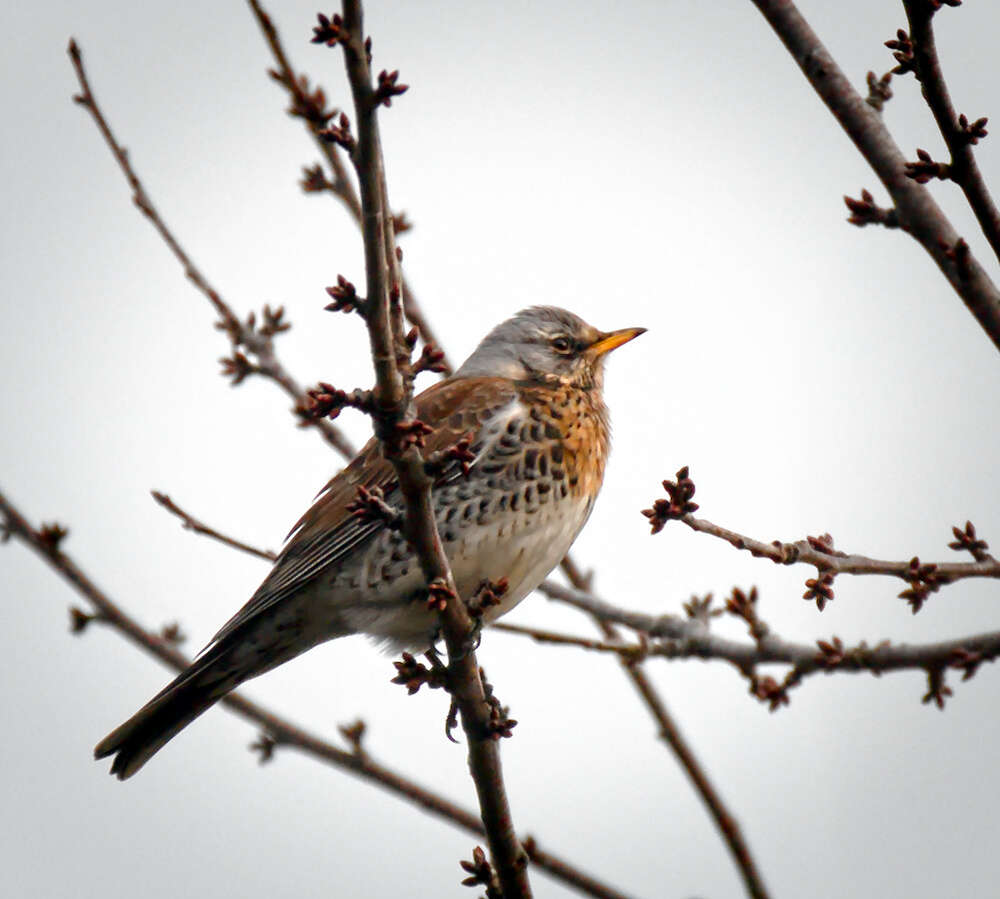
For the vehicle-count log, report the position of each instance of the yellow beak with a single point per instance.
(614, 339)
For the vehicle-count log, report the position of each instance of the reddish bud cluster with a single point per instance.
(172, 634)
(972, 132)
(831, 653)
(305, 104)
(437, 463)
(879, 91)
(410, 433)
(314, 179)
(438, 594)
(401, 224)
(968, 541)
(388, 88)
(700, 608)
(924, 580)
(937, 691)
(329, 31)
(431, 358)
(678, 505)
(769, 691)
(462, 453)
(340, 134)
(326, 400)
(819, 588)
(500, 724)
(345, 298)
(413, 674)
(744, 605)
(822, 544)
(369, 505)
(902, 48)
(354, 734)
(274, 321)
(488, 594)
(481, 873)
(78, 620)
(926, 169)
(866, 212)
(51, 536)
(237, 367)
(966, 661)
(264, 746)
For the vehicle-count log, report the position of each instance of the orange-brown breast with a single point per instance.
(581, 418)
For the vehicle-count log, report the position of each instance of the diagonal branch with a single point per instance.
(341, 186)
(690, 638)
(820, 553)
(343, 189)
(962, 169)
(671, 734)
(393, 416)
(279, 730)
(258, 340)
(668, 728)
(193, 524)
(922, 578)
(918, 213)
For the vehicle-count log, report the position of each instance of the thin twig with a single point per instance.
(962, 169)
(688, 638)
(393, 412)
(193, 524)
(629, 654)
(245, 334)
(341, 186)
(671, 734)
(835, 562)
(918, 213)
(281, 731)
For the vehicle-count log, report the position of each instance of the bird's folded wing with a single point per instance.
(328, 533)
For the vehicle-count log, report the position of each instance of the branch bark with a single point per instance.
(341, 185)
(393, 413)
(671, 734)
(256, 340)
(917, 211)
(283, 732)
(690, 638)
(963, 169)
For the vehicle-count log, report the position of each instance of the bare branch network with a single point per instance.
(351, 155)
(688, 636)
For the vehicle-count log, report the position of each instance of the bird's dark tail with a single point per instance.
(194, 691)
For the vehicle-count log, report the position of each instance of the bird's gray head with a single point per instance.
(545, 344)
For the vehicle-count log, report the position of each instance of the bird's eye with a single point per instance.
(562, 344)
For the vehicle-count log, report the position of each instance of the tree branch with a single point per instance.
(341, 187)
(257, 340)
(280, 731)
(671, 734)
(690, 638)
(923, 578)
(393, 417)
(962, 169)
(917, 212)
(310, 107)
(628, 654)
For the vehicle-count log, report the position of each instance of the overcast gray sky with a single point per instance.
(656, 164)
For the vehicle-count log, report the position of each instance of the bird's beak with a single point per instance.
(613, 339)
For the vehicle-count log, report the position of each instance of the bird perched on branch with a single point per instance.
(527, 413)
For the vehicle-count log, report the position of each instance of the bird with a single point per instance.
(529, 401)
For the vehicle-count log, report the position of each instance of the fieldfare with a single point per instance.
(531, 396)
